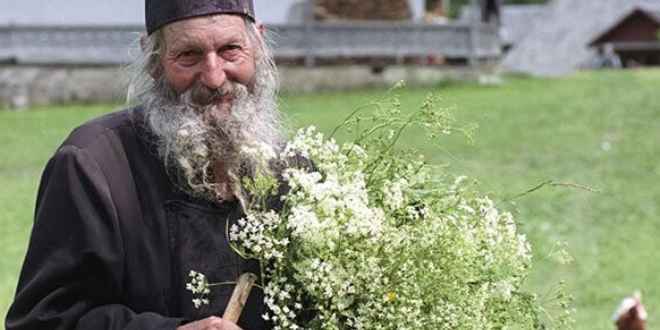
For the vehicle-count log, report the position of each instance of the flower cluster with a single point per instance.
(372, 237)
(256, 233)
(199, 286)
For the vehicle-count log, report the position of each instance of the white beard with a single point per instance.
(193, 139)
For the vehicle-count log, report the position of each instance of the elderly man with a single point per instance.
(133, 201)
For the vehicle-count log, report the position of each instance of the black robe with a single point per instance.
(113, 241)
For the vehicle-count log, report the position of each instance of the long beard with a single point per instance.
(194, 134)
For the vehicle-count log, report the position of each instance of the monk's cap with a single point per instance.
(158, 13)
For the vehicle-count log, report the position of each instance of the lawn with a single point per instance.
(599, 130)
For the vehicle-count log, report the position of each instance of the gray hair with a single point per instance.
(188, 142)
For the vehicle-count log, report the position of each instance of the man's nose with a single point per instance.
(213, 72)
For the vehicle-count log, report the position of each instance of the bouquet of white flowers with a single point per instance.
(373, 237)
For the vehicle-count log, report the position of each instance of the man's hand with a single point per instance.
(210, 323)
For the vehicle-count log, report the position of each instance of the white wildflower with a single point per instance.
(380, 243)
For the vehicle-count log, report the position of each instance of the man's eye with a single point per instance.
(231, 51)
(232, 47)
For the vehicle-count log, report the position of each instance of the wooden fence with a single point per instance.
(111, 45)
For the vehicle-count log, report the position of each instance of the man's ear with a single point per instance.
(261, 28)
(261, 41)
(143, 42)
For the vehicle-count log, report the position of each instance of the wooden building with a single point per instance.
(635, 39)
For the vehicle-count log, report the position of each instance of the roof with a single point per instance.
(651, 14)
(654, 14)
(559, 43)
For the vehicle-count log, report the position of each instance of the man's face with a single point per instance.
(215, 96)
(204, 53)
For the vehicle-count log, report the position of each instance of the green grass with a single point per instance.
(595, 129)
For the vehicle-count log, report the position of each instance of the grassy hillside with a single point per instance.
(599, 130)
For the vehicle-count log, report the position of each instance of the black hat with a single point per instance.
(161, 12)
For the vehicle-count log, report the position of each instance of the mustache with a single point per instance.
(201, 96)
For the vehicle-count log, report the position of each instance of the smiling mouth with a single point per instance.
(202, 97)
(215, 101)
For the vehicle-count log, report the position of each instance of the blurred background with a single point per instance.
(564, 91)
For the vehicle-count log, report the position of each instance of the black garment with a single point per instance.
(113, 241)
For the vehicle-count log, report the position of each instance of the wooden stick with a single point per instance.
(239, 297)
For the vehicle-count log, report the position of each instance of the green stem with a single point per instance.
(552, 183)
(371, 168)
(349, 117)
